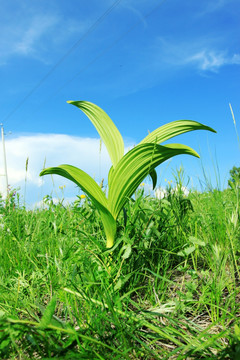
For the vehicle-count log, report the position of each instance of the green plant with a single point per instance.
(129, 170)
(234, 180)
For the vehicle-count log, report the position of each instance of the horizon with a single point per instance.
(144, 63)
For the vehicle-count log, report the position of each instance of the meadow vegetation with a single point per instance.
(168, 289)
(165, 284)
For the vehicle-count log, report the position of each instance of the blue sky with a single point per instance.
(145, 63)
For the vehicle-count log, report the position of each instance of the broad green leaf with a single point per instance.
(135, 166)
(196, 241)
(153, 175)
(110, 173)
(2, 314)
(187, 251)
(127, 252)
(5, 344)
(93, 190)
(106, 128)
(118, 285)
(237, 331)
(82, 179)
(174, 128)
(48, 313)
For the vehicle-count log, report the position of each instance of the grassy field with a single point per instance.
(168, 289)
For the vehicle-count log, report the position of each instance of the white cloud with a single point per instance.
(46, 150)
(56, 149)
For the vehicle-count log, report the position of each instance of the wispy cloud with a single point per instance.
(37, 35)
(132, 8)
(24, 37)
(210, 60)
(32, 33)
(211, 6)
(201, 54)
(164, 58)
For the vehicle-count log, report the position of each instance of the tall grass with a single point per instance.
(168, 289)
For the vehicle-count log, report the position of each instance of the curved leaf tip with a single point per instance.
(107, 130)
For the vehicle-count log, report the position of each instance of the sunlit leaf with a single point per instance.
(48, 313)
(187, 251)
(106, 128)
(174, 128)
(135, 166)
(196, 241)
(127, 252)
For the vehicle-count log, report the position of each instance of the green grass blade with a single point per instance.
(135, 166)
(105, 127)
(174, 128)
(48, 313)
(93, 190)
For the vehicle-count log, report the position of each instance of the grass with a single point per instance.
(168, 289)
